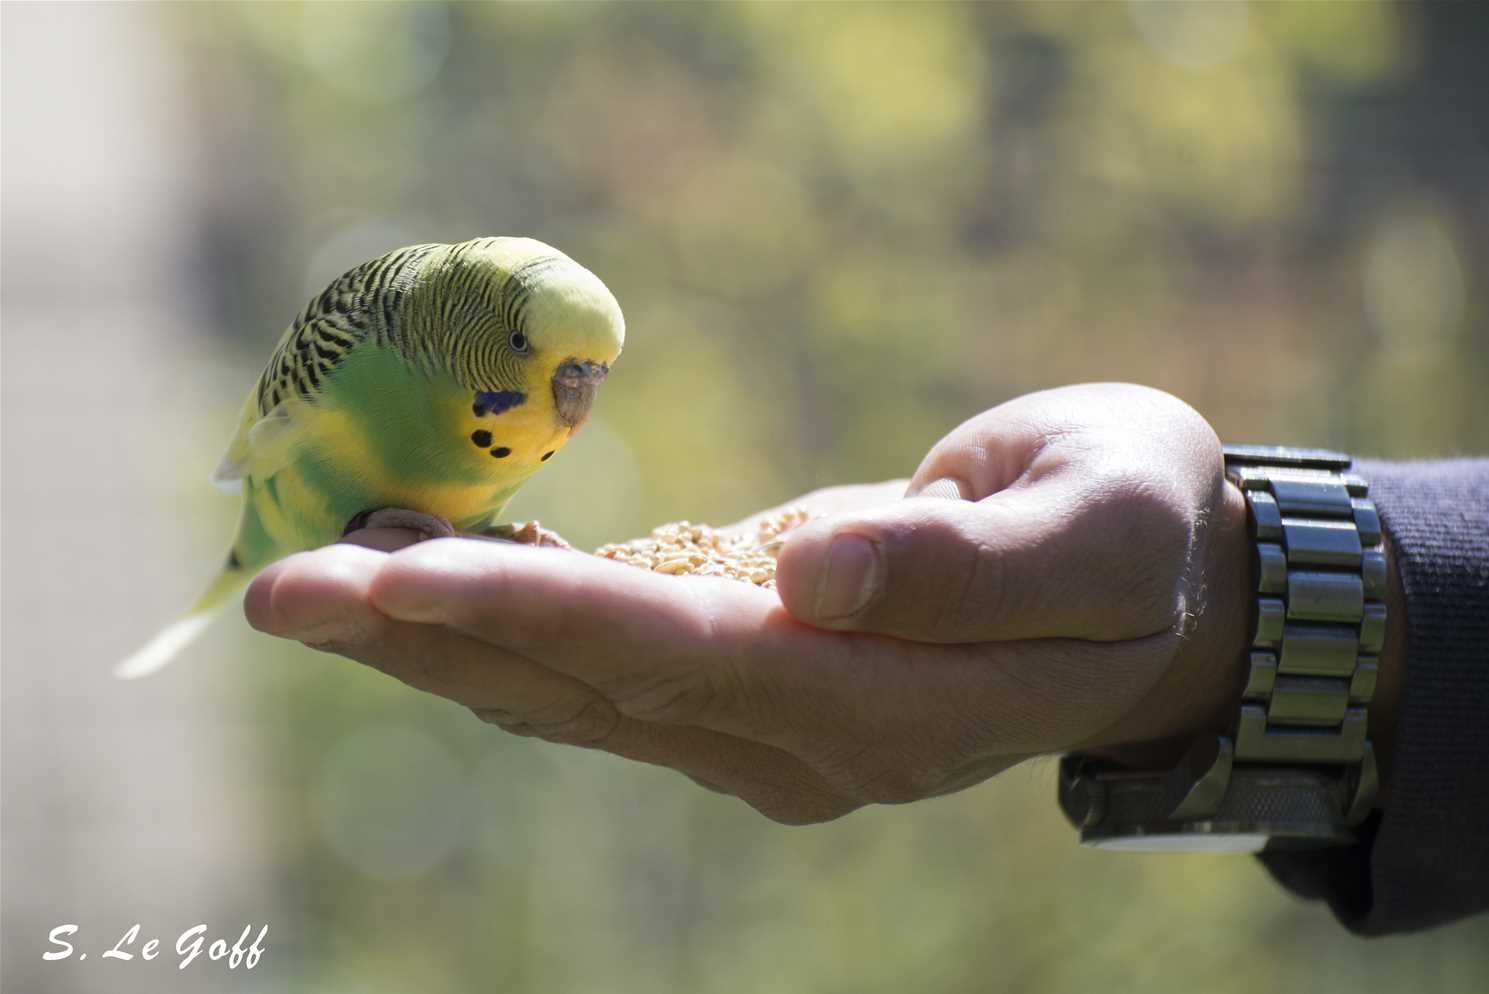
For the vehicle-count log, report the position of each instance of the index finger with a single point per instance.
(674, 650)
(829, 501)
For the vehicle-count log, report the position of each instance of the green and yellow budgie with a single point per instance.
(419, 389)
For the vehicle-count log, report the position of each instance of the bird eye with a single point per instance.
(518, 341)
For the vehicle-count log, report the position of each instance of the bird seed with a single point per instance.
(681, 548)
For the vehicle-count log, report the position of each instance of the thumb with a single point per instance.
(1026, 562)
(918, 568)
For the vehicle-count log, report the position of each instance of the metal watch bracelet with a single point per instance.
(1299, 768)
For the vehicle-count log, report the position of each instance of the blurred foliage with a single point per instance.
(892, 215)
(836, 230)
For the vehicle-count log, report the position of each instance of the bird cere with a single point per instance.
(420, 389)
(698, 550)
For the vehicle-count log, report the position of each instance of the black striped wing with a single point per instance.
(361, 303)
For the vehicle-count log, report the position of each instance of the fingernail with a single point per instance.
(849, 579)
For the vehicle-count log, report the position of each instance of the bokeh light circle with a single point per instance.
(391, 802)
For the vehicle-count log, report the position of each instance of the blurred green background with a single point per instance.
(836, 231)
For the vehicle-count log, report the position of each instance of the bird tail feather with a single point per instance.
(169, 641)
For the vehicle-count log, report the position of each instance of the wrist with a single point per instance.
(1303, 759)
(1200, 690)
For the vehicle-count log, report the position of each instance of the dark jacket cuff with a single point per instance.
(1425, 859)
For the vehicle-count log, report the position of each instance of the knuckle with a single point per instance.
(592, 723)
(687, 690)
(935, 577)
(706, 784)
(900, 785)
(513, 726)
(800, 809)
(870, 776)
(671, 698)
(494, 716)
(335, 646)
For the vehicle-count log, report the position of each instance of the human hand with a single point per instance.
(1058, 561)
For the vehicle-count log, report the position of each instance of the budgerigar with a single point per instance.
(423, 386)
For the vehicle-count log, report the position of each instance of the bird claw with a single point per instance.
(432, 526)
(428, 525)
(527, 533)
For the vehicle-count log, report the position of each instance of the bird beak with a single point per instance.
(574, 387)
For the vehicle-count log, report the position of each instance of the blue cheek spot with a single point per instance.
(496, 402)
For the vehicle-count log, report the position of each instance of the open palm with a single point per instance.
(1052, 565)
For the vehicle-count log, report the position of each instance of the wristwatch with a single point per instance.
(1296, 769)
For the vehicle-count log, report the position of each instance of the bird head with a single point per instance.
(542, 326)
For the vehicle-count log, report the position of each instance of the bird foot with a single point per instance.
(427, 525)
(527, 533)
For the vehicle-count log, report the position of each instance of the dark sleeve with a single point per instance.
(1425, 859)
